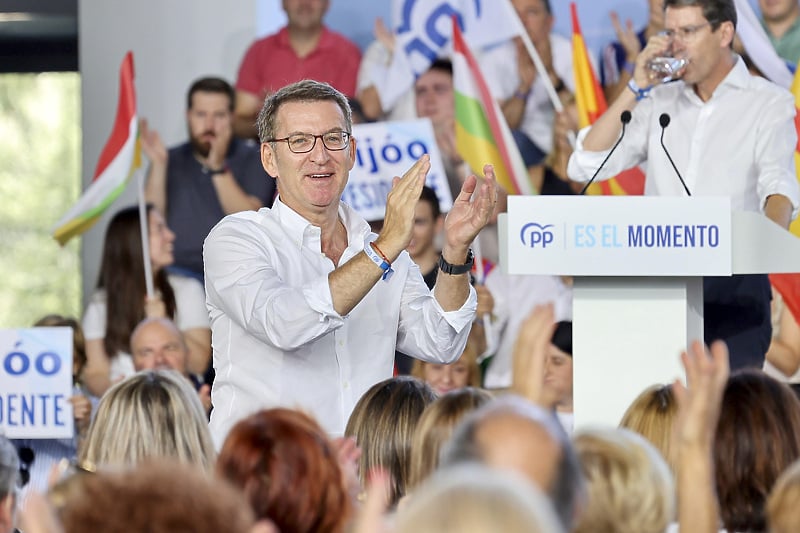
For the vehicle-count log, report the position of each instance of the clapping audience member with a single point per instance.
(383, 424)
(436, 426)
(652, 415)
(757, 438)
(303, 49)
(630, 486)
(120, 301)
(39, 455)
(288, 471)
(150, 415)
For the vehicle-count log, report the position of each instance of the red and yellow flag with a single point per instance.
(591, 104)
(482, 134)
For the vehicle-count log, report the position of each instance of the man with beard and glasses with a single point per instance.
(197, 183)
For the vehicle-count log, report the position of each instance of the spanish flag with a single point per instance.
(119, 159)
(482, 134)
(591, 104)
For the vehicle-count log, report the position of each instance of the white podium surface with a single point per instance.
(637, 264)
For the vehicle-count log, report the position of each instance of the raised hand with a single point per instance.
(383, 34)
(657, 45)
(530, 353)
(152, 145)
(401, 203)
(626, 36)
(470, 213)
(81, 412)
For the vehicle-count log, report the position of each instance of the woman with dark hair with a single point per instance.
(757, 438)
(120, 301)
(288, 470)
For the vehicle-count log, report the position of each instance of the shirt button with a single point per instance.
(346, 384)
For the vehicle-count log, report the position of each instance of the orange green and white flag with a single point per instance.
(482, 134)
(591, 104)
(119, 159)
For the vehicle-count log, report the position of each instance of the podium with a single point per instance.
(638, 264)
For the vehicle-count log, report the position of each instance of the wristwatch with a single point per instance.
(214, 171)
(455, 270)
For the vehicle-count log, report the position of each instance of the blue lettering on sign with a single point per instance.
(673, 236)
(18, 363)
(26, 410)
(532, 234)
(584, 236)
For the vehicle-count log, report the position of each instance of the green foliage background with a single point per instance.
(39, 181)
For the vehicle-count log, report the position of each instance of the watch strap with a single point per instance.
(455, 270)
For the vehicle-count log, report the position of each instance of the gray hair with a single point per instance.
(301, 91)
(9, 469)
(568, 487)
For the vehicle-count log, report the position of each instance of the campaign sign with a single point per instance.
(619, 236)
(388, 149)
(36, 383)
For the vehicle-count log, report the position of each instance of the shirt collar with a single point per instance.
(738, 77)
(302, 232)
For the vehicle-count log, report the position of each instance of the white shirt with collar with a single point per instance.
(276, 337)
(740, 143)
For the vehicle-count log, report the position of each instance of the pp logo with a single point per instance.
(533, 234)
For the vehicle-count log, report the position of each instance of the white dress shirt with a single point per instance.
(276, 337)
(740, 143)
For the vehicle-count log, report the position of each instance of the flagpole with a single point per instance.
(143, 224)
(540, 68)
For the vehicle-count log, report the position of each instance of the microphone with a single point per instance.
(625, 118)
(664, 121)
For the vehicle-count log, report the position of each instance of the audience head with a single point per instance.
(537, 17)
(474, 499)
(152, 414)
(157, 343)
(557, 387)
(428, 223)
(434, 93)
(436, 426)
(758, 437)
(630, 487)
(652, 415)
(783, 505)
(383, 424)
(444, 378)
(9, 485)
(779, 12)
(122, 273)
(302, 91)
(78, 340)
(305, 15)
(288, 470)
(512, 434)
(209, 112)
(158, 497)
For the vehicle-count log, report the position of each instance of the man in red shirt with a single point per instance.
(303, 49)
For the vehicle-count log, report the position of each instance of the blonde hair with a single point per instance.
(435, 427)
(469, 356)
(383, 423)
(152, 414)
(472, 499)
(652, 415)
(783, 505)
(630, 487)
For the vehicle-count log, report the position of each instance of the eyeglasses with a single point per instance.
(302, 143)
(686, 33)
(26, 458)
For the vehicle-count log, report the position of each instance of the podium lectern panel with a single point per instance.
(637, 264)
